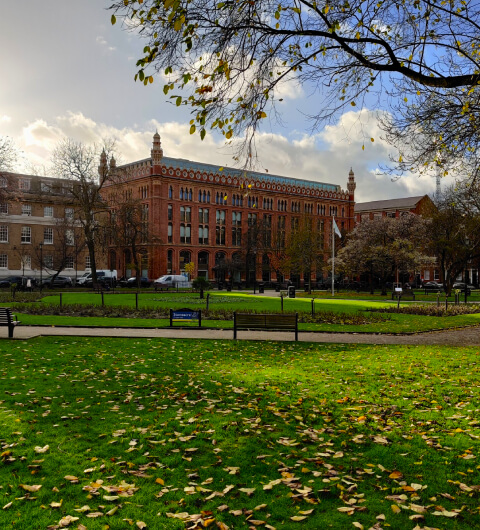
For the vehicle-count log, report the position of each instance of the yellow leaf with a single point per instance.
(395, 474)
(160, 481)
(298, 518)
(395, 509)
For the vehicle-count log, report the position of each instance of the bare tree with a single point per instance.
(227, 61)
(129, 227)
(456, 239)
(305, 249)
(8, 154)
(79, 163)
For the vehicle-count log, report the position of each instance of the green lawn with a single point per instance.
(166, 433)
(396, 323)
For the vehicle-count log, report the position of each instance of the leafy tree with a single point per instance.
(79, 163)
(232, 58)
(384, 246)
(201, 284)
(456, 238)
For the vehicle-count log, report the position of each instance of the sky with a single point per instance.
(66, 72)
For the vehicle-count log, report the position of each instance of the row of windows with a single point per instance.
(26, 262)
(220, 217)
(25, 184)
(26, 235)
(253, 202)
(220, 231)
(27, 210)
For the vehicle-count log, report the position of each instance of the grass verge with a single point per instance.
(168, 434)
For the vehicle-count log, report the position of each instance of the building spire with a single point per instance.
(157, 151)
(351, 183)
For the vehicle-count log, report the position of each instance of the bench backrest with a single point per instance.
(266, 320)
(5, 315)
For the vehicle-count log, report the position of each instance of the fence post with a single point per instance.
(208, 299)
(136, 301)
(446, 303)
(438, 299)
(103, 302)
(281, 300)
(60, 300)
(313, 307)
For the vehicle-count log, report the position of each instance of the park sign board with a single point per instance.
(185, 315)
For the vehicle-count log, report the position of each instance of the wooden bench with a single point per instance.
(8, 319)
(265, 321)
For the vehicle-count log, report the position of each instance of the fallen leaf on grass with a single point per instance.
(248, 491)
(65, 521)
(26, 487)
(39, 449)
(446, 513)
(358, 525)
(395, 509)
(141, 524)
(395, 474)
(7, 506)
(298, 518)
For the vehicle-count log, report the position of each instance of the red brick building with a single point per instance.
(201, 213)
(420, 205)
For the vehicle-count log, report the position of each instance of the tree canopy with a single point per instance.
(383, 247)
(227, 60)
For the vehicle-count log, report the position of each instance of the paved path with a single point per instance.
(461, 337)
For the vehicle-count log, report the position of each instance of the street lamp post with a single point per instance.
(41, 265)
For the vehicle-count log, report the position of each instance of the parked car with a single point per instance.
(20, 281)
(171, 280)
(144, 282)
(433, 286)
(59, 281)
(462, 286)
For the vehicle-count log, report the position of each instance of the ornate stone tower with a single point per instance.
(157, 151)
(351, 184)
(102, 168)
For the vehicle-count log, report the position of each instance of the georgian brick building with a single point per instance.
(38, 230)
(201, 213)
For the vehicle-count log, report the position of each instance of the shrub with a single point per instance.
(432, 310)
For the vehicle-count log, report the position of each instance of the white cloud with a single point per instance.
(325, 157)
(5, 119)
(102, 42)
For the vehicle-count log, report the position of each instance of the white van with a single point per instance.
(171, 280)
(105, 276)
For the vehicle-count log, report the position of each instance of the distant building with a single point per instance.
(202, 213)
(38, 229)
(421, 205)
